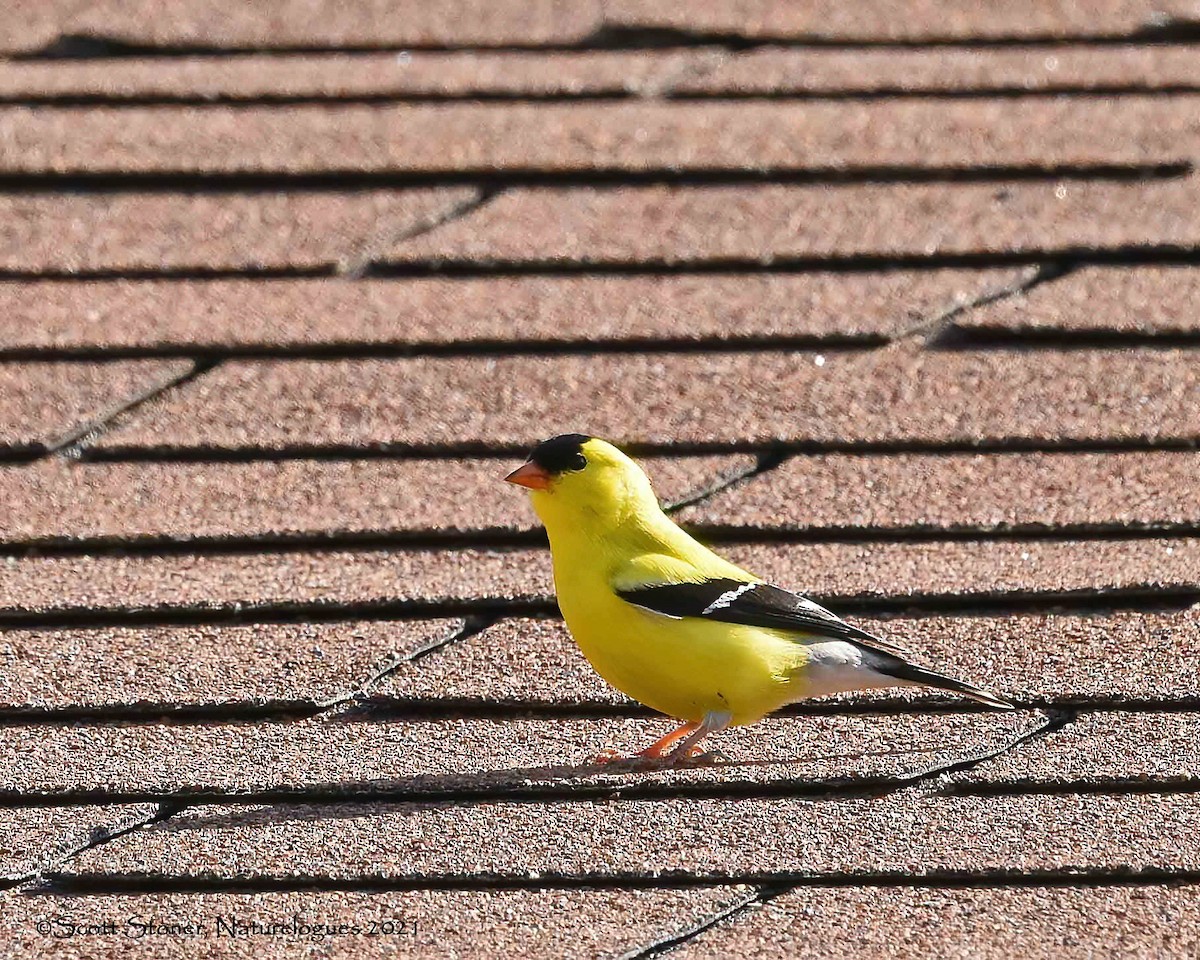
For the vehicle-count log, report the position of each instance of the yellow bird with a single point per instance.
(674, 626)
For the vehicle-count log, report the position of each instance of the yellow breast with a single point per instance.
(683, 668)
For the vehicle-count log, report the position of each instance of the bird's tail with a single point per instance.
(910, 672)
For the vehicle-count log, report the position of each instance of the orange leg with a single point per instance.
(658, 754)
(659, 747)
(657, 750)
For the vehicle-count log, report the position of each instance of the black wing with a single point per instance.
(750, 604)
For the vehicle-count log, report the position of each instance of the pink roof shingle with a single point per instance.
(900, 297)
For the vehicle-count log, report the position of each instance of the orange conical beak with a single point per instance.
(530, 475)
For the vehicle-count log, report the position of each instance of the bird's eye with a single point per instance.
(578, 462)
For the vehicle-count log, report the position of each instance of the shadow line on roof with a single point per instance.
(505, 537)
(373, 709)
(492, 179)
(118, 100)
(1165, 254)
(58, 883)
(1083, 602)
(480, 450)
(374, 349)
(613, 36)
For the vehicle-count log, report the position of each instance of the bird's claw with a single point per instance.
(710, 758)
(644, 762)
(608, 756)
(617, 761)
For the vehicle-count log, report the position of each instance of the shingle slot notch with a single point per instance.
(933, 330)
(97, 837)
(758, 897)
(72, 444)
(1043, 338)
(1105, 786)
(1009, 533)
(469, 627)
(358, 265)
(118, 101)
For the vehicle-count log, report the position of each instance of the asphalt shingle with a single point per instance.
(693, 72)
(964, 492)
(58, 501)
(154, 232)
(349, 925)
(1144, 750)
(292, 664)
(456, 757)
(367, 75)
(43, 404)
(581, 138)
(881, 20)
(902, 834)
(1152, 301)
(304, 24)
(33, 839)
(946, 70)
(720, 230)
(767, 224)
(894, 395)
(1028, 657)
(1043, 922)
(370, 580)
(514, 312)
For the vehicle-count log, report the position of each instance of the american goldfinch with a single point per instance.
(671, 624)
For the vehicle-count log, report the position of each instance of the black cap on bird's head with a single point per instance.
(549, 459)
(561, 453)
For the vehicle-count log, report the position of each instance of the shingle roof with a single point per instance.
(895, 301)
